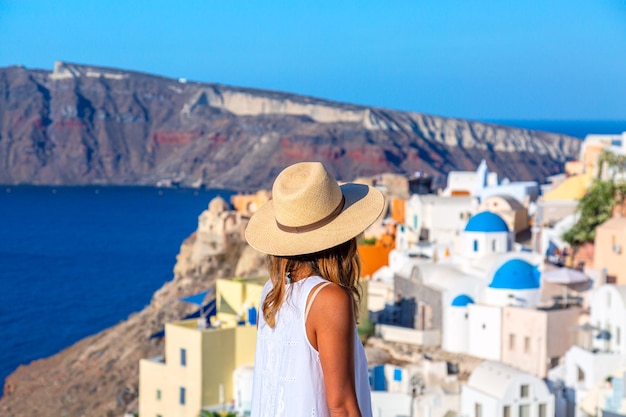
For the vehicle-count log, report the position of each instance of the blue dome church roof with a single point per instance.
(516, 274)
(462, 300)
(486, 221)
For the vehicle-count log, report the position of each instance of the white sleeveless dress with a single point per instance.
(288, 379)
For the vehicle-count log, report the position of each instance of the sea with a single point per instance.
(77, 260)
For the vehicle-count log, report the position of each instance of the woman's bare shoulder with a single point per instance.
(331, 300)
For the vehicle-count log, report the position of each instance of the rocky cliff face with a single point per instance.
(87, 125)
(98, 376)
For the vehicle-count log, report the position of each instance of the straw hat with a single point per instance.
(310, 212)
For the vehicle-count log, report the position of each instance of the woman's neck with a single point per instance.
(299, 273)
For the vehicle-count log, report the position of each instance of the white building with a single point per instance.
(600, 352)
(483, 184)
(608, 315)
(461, 295)
(413, 391)
(435, 218)
(498, 390)
(470, 182)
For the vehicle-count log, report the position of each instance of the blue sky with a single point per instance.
(478, 59)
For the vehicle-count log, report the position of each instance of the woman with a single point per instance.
(309, 360)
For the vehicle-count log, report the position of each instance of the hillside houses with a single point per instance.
(479, 270)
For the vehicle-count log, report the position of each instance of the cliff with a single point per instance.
(87, 125)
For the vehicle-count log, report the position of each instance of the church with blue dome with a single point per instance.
(513, 282)
(486, 222)
(516, 274)
(485, 233)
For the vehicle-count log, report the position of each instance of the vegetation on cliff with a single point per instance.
(597, 205)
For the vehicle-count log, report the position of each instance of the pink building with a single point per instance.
(610, 249)
(535, 340)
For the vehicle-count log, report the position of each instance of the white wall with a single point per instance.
(485, 331)
(519, 190)
(538, 394)
(461, 181)
(379, 293)
(390, 404)
(443, 217)
(455, 332)
(406, 335)
(414, 218)
(242, 380)
(449, 218)
(609, 313)
(471, 396)
(505, 297)
(584, 369)
(486, 243)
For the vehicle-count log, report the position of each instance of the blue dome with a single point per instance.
(516, 274)
(462, 300)
(486, 221)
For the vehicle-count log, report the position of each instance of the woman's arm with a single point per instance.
(330, 328)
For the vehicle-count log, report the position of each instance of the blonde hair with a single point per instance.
(340, 264)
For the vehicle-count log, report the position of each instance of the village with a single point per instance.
(488, 298)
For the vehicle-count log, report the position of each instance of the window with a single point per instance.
(506, 411)
(478, 410)
(183, 357)
(511, 342)
(524, 391)
(182, 396)
(158, 394)
(526, 344)
(475, 245)
(542, 410)
(524, 410)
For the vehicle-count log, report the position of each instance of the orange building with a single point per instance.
(397, 209)
(375, 256)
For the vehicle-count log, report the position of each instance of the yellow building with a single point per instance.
(573, 188)
(197, 370)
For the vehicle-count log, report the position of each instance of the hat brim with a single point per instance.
(363, 205)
